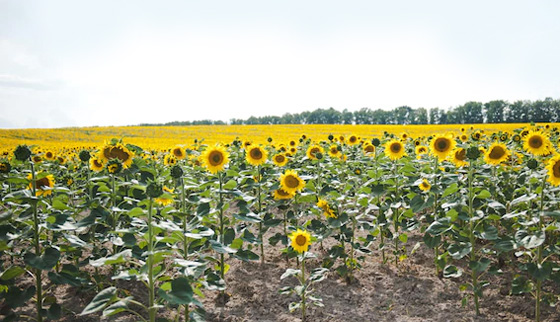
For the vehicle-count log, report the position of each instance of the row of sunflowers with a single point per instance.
(173, 218)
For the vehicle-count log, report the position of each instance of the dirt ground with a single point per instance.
(380, 292)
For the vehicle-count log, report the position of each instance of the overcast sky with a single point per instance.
(116, 62)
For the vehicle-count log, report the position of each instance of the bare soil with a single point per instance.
(380, 292)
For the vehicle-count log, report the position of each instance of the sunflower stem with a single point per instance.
(260, 210)
(151, 284)
(303, 283)
(539, 255)
(436, 207)
(474, 275)
(36, 234)
(221, 212)
(396, 214)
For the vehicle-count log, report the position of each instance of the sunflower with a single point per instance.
(404, 136)
(37, 159)
(49, 155)
(117, 151)
(352, 139)
(496, 154)
(291, 182)
(419, 150)
(459, 157)
(476, 136)
(96, 164)
(292, 143)
(280, 194)
(43, 186)
(553, 167)
(301, 239)
(441, 146)
(333, 151)
(5, 167)
(114, 166)
(179, 153)
(425, 185)
(170, 160)
(165, 200)
(215, 158)
(314, 151)
(463, 137)
(368, 148)
(536, 143)
(256, 155)
(394, 149)
(327, 210)
(280, 159)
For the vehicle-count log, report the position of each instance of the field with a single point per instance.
(280, 223)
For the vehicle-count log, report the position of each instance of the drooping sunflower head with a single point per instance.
(553, 167)
(179, 153)
(280, 159)
(301, 240)
(166, 198)
(496, 154)
(215, 158)
(394, 149)
(353, 139)
(536, 143)
(37, 159)
(425, 185)
(459, 157)
(441, 146)
(96, 164)
(368, 148)
(5, 166)
(291, 182)
(43, 184)
(280, 194)
(256, 155)
(116, 151)
(314, 151)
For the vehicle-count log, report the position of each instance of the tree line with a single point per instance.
(497, 111)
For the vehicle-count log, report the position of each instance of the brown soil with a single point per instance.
(380, 292)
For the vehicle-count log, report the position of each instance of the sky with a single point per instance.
(66, 63)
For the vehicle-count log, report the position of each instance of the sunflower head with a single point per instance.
(496, 154)
(353, 139)
(114, 166)
(256, 155)
(5, 167)
(170, 160)
(553, 169)
(368, 148)
(179, 153)
(463, 137)
(280, 159)
(22, 152)
(117, 151)
(37, 159)
(394, 149)
(280, 194)
(301, 240)
(536, 143)
(176, 171)
(291, 182)
(84, 155)
(441, 146)
(459, 157)
(314, 151)
(215, 158)
(96, 164)
(50, 155)
(425, 185)
(43, 184)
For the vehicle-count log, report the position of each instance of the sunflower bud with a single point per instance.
(331, 137)
(176, 172)
(319, 155)
(154, 190)
(532, 164)
(22, 152)
(473, 153)
(84, 155)
(375, 142)
(5, 167)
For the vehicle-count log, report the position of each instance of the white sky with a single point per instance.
(117, 62)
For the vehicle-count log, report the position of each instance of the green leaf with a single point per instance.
(452, 271)
(521, 285)
(431, 241)
(290, 272)
(221, 249)
(540, 272)
(12, 272)
(54, 312)
(117, 258)
(489, 233)
(250, 217)
(403, 238)
(450, 190)
(59, 205)
(246, 255)
(100, 300)
(460, 250)
(484, 194)
(525, 239)
(231, 184)
(181, 292)
(505, 245)
(439, 226)
(16, 297)
(44, 262)
(136, 212)
(480, 266)
(117, 307)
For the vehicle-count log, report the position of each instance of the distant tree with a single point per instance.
(541, 111)
(420, 116)
(472, 113)
(363, 116)
(494, 111)
(517, 112)
(347, 117)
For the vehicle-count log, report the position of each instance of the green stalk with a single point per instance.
(539, 257)
(474, 275)
(396, 216)
(436, 206)
(114, 205)
(36, 233)
(222, 267)
(151, 286)
(185, 242)
(303, 307)
(260, 209)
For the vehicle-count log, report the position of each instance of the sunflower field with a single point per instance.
(147, 227)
